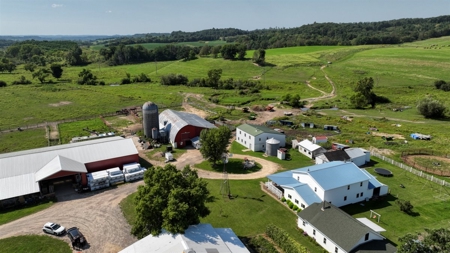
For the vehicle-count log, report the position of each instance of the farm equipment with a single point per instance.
(387, 138)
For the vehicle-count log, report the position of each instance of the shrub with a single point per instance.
(262, 245)
(125, 80)
(283, 240)
(22, 80)
(2, 84)
(295, 208)
(431, 108)
(283, 199)
(102, 83)
(405, 205)
(291, 205)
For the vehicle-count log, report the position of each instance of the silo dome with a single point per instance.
(272, 146)
(150, 118)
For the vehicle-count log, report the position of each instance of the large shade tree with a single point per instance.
(431, 241)
(170, 199)
(214, 143)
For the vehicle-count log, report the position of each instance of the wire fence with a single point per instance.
(412, 170)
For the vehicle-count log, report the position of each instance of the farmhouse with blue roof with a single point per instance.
(340, 183)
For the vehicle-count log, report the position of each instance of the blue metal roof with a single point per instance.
(335, 174)
(307, 194)
(373, 182)
(283, 178)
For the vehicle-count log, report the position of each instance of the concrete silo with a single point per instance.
(272, 146)
(150, 118)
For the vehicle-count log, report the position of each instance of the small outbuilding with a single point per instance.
(307, 125)
(254, 137)
(330, 127)
(310, 149)
(319, 139)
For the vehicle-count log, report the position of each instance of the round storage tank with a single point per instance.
(155, 133)
(150, 118)
(272, 146)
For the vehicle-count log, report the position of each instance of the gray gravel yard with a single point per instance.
(97, 214)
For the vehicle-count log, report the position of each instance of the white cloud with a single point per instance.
(56, 5)
(109, 11)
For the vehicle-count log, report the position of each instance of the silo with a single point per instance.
(150, 118)
(272, 146)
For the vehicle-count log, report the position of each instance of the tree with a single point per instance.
(241, 51)
(431, 241)
(364, 94)
(2, 83)
(295, 101)
(439, 83)
(73, 57)
(206, 50)
(29, 67)
(431, 108)
(259, 56)
(405, 206)
(214, 77)
(56, 70)
(170, 199)
(42, 74)
(86, 77)
(216, 50)
(214, 143)
(229, 51)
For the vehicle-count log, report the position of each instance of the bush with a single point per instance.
(283, 199)
(125, 80)
(291, 205)
(405, 205)
(283, 240)
(2, 83)
(261, 245)
(22, 80)
(295, 208)
(431, 108)
(102, 83)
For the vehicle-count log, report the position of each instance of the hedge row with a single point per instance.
(283, 240)
(292, 206)
(262, 245)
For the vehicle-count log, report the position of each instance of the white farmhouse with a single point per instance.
(340, 183)
(337, 232)
(254, 137)
(310, 149)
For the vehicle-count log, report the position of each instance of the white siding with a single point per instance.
(328, 246)
(321, 159)
(367, 156)
(305, 151)
(245, 139)
(258, 143)
(336, 196)
(294, 196)
(372, 236)
(359, 161)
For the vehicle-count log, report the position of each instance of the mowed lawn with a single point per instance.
(33, 244)
(21, 140)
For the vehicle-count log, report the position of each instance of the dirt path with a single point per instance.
(393, 119)
(325, 95)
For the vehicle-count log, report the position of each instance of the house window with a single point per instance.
(259, 139)
(314, 232)
(302, 205)
(249, 137)
(289, 196)
(335, 249)
(309, 152)
(296, 201)
(315, 189)
(240, 132)
(298, 178)
(324, 240)
(245, 135)
(357, 195)
(304, 150)
(263, 146)
(304, 223)
(348, 187)
(366, 237)
(345, 198)
(245, 142)
(360, 184)
(361, 194)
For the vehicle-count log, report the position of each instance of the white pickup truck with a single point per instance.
(133, 171)
(115, 175)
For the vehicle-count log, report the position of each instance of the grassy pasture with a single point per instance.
(27, 139)
(11, 215)
(76, 129)
(33, 244)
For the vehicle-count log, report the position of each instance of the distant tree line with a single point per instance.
(362, 33)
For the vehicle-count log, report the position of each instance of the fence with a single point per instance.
(412, 170)
(273, 189)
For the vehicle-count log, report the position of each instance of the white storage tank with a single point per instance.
(272, 146)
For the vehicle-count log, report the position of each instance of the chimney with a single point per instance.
(323, 206)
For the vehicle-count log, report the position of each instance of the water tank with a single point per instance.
(272, 146)
(155, 133)
(151, 118)
(162, 136)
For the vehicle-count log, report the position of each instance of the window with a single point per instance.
(298, 178)
(249, 137)
(245, 142)
(240, 132)
(304, 223)
(360, 184)
(245, 135)
(348, 187)
(361, 194)
(315, 189)
(296, 201)
(309, 152)
(366, 237)
(314, 232)
(259, 139)
(238, 138)
(324, 240)
(289, 196)
(263, 146)
(303, 206)
(345, 198)
(357, 195)
(335, 250)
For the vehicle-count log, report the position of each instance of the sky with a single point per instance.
(126, 17)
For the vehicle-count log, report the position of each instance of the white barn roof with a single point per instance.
(18, 170)
(201, 238)
(309, 145)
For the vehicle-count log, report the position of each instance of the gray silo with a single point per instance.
(151, 118)
(272, 146)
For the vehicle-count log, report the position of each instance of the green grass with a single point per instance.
(297, 159)
(155, 153)
(152, 46)
(431, 204)
(34, 244)
(11, 215)
(21, 140)
(234, 166)
(260, 210)
(76, 129)
(429, 163)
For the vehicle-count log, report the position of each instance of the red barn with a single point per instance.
(182, 127)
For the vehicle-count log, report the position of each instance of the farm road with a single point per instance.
(325, 95)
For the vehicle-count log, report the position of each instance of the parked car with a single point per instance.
(76, 237)
(53, 228)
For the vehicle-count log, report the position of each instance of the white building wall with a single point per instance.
(336, 196)
(305, 151)
(367, 156)
(383, 190)
(258, 143)
(294, 196)
(359, 161)
(321, 159)
(245, 139)
(318, 236)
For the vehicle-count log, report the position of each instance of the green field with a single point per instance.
(67, 131)
(151, 46)
(21, 140)
(11, 215)
(34, 244)
(234, 166)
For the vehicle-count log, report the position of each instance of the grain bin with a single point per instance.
(155, 133)
(150, 118)
(272, 146)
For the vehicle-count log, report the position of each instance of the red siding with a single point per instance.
(182, 137)
(108, 164)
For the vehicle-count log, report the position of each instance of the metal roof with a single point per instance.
(309, 145)
(354, 152)
(272, 141)
(198, 238)
(174, 121)
(307, 194)
(372, 180)
(59, 163)
(334, 174)
(255, 130)
(15, 166)
(338, 226)
(283, 178)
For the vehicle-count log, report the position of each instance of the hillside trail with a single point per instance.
(324, 95)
